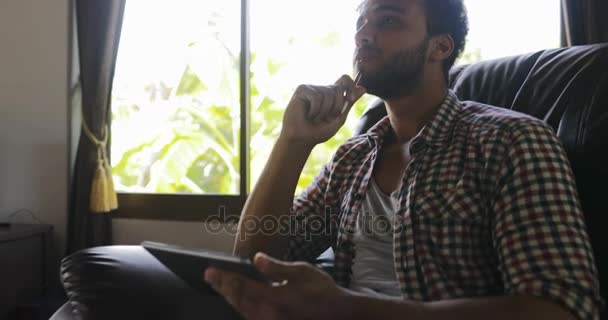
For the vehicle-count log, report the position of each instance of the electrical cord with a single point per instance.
(24, 210)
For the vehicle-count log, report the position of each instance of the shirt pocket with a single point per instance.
(456, 199)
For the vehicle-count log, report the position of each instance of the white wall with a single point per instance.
(33, 111)
(33, 128)
(189, 234)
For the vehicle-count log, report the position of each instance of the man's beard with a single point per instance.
(400, 76)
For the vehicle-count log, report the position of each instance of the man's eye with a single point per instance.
(388, 21)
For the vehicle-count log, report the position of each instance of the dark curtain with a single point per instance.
(584, 22)
(98, 24)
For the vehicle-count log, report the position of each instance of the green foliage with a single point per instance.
(190, 83)
(192, 144)
(273, 66)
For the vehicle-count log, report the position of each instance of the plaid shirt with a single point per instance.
(488, 206)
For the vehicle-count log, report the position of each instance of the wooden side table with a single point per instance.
(25, 264)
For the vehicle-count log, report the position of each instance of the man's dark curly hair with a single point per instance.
(448, 17)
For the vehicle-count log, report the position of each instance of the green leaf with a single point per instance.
(211, 128)
(265, 105)
(125, 168)
(190, 84)
(210, 174)
(173, 163)
(186, 185)
(254, 90)
(273, 66)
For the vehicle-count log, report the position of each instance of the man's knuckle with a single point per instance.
(336, 90)
(300, 267)
(344, 78)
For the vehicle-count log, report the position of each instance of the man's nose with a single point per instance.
(364, 35)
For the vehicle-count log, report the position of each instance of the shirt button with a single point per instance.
(357, 196)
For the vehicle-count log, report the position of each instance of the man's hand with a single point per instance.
(311, 294)
(299, 291)
(314, 113)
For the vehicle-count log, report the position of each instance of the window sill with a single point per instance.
(179, 207)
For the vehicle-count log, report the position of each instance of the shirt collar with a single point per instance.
(436, 132)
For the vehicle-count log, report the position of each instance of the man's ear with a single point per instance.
(441, 47)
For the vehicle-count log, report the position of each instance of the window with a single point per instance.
(200, 88)
(505, 28)
(176, 113)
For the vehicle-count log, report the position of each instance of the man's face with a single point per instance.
(392, 44)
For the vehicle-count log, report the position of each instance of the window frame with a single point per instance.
(200, 207)
(178, 207)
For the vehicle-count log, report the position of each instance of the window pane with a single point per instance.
(292, 43)
(504, 28)
(175, 126)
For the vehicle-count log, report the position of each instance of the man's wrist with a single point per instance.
(343, 305)
(295, 144)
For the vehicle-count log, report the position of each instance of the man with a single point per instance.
(483, 211)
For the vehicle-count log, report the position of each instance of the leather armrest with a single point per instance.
(126, 282)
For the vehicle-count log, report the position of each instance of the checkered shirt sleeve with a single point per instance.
(314, 228)
(538, 227)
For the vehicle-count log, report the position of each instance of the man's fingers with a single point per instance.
(350, 101)
(352, 92)
(331, 96)
(357, 93)
(320, 102)
(241, 292)
(252, 299)
(324, 102)
(347, 84)
(339, 100)
(312, 99)
(345, 81)
(328, 103)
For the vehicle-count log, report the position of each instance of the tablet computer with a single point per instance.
(189, 264)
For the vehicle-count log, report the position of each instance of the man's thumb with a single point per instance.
(274, 269)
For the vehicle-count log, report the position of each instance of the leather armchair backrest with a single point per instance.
(568, 89)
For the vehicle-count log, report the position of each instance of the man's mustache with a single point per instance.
(367, 51)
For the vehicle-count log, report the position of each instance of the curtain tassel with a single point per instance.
(103, 195)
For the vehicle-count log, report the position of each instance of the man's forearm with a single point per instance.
(272, 196)
(510, 307)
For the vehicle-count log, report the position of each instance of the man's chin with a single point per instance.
(370, 80)
(388, 87)
(368, 76)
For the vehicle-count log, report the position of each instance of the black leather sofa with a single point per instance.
(567, 88)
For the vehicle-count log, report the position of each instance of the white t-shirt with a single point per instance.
(373, 265)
